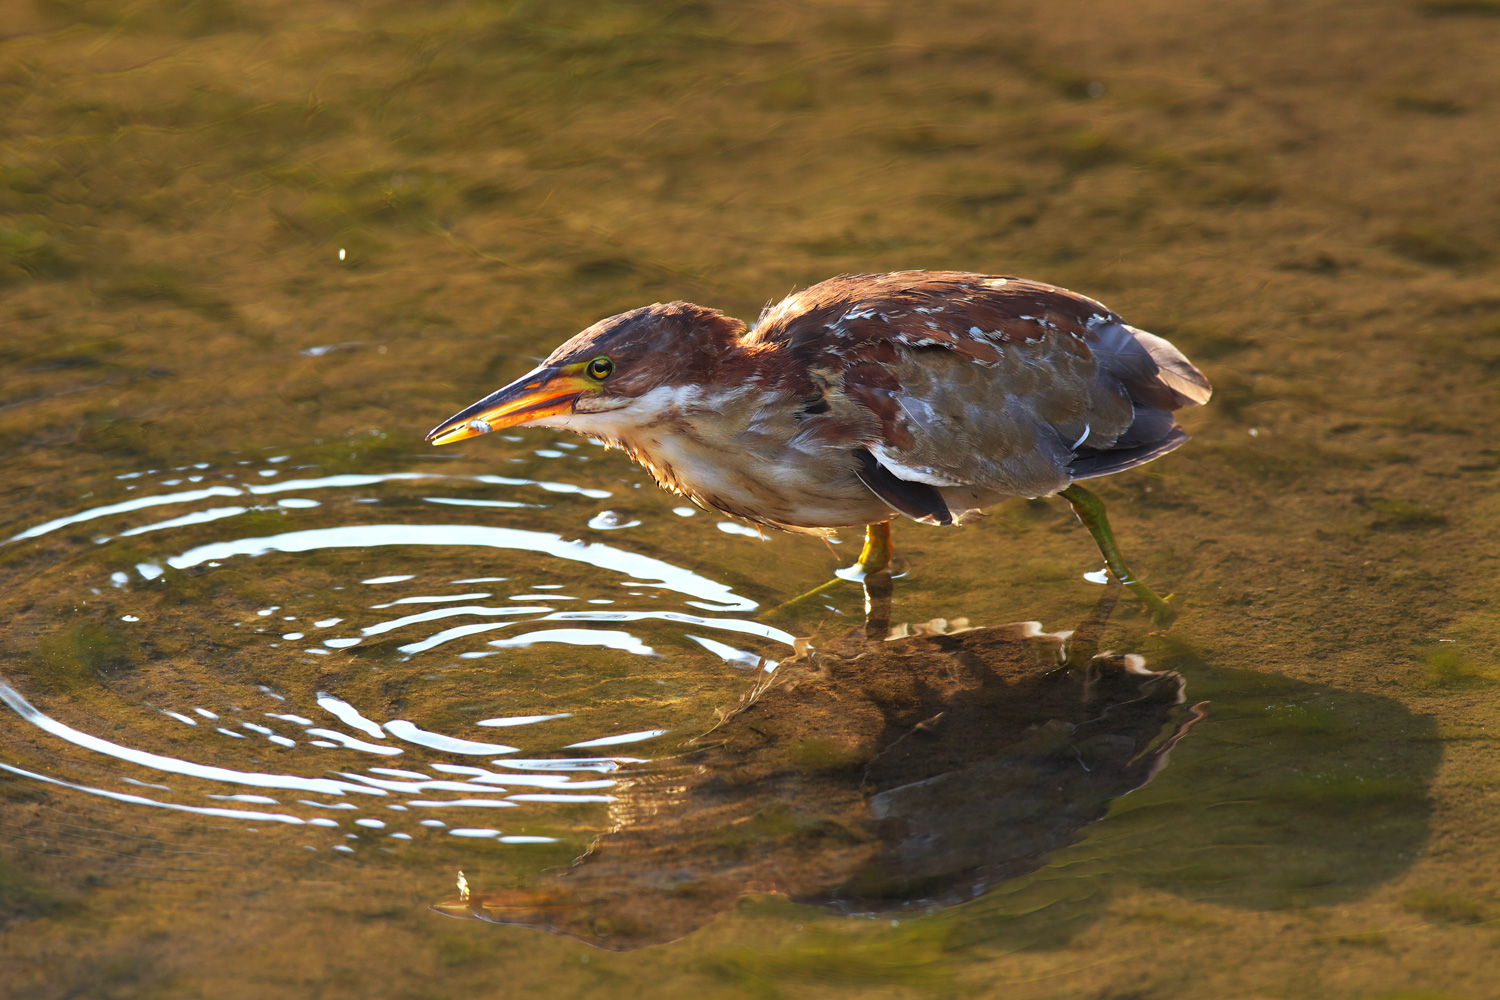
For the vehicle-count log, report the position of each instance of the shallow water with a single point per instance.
(295, 704)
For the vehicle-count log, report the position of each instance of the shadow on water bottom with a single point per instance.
(906, 770)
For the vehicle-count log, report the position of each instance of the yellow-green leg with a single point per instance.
(873, 558)
(1090, 510)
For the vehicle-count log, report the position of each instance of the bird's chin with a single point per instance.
(606, 425)
(620, 418)
(587, 405)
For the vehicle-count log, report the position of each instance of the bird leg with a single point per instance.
(878, 588)
(874, 558)
(1090, 510)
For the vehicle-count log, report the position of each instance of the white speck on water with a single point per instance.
(609, 520)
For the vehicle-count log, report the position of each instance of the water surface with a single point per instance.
(275, 672)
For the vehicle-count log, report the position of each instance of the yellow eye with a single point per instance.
(600, 368)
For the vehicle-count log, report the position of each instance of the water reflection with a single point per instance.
(869, 776)
(319, 608)
(640, 570)
(352, 677)
(923, 769)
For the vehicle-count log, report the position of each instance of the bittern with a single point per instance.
(925, 394)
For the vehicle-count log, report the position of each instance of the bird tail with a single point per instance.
(1174, 370)
(1153, 371)
(1090, 464)
(1159, 380)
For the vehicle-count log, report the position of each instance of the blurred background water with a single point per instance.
(275, 672)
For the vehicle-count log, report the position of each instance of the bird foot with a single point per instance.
(784, 605)
(1162, 611)
(873, 579)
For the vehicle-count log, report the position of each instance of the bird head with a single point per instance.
(608, 367)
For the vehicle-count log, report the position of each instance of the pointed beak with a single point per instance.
(541, 393)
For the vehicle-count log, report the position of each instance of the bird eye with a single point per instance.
(600, 368)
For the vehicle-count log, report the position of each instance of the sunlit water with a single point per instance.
(274, 672)
(418, 661)
(358, 575)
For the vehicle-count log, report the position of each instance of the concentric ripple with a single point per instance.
(356, 660)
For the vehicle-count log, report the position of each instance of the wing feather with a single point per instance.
(997, 383)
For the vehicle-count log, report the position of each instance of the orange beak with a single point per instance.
(542, 393)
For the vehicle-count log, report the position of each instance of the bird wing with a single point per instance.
(918, 501)
(1000, 384)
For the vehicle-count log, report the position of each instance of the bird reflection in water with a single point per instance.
(892, 770)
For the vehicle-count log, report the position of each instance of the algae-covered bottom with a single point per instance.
(275, 672)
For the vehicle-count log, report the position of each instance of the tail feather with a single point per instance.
(1158, 380)
(1175, 370)
(1153, 372)
(1090, 464)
